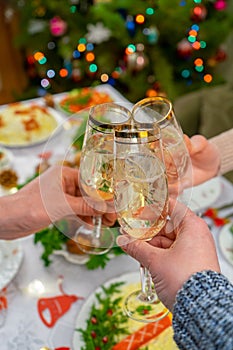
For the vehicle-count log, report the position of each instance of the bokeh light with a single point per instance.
(63, 72)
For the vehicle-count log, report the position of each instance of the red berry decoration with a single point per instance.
(93, 320)
(145, 312)
(199, 13)
(105, 340)
(109, 312)
(93, 334)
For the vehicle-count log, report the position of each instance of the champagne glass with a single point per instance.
(96, 171)
(176, 155)
(141, 203)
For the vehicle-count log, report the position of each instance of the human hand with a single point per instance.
(184, 247)
(53, 195)
(205, 159)
(61, 195)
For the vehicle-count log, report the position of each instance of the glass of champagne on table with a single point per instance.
(141, 203)
(96, 171)
(160, 110)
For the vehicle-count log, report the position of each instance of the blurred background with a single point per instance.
(141, 47)
(180, 48)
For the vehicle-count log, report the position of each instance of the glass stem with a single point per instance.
(97, 221)
(146, 285)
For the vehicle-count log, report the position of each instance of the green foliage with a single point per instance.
(106, 321)
(163, 65)
(52, 238)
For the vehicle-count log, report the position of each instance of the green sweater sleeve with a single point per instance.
(203, 313)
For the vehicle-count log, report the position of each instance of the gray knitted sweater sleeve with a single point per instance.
(203, 313)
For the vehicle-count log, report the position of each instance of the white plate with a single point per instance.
(11, 256)
(202, 196)
(7, 159)
(72, 258)
(55, 114)
(226, 242)
(78, 259)
(84, 314)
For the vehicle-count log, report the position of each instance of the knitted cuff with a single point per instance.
(203, 313)
(224, 143)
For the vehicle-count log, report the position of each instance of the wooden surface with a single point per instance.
(12, 76)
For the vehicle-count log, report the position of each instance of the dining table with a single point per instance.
(39, 305)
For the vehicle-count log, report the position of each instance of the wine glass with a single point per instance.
(177, 160)
(96, 171)
(141, 203)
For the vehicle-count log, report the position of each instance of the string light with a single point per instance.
(185, 73)
(115, 74)
(203, 44)
(196, 45)
(130, 49)
(51, 73)
(73, 9)
(43, 60)
(193, 32)
(38, 55)
(198, 62)
(208, 78)
(76, 54)
(90, 47)
(82, 41)
(63, 72)
(104, 78)
(199, 68)
(93, 68)
(90, 57)
(195, 27)
(150, 11)
(191, 38)
(45, 83)
(81, 47)
(140, 19)
(182, 3)
(51, 45)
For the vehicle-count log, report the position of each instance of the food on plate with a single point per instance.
(128, 334)
(22, 124)
(143, 335)
(78, 99)
(8, 178)
(49, 100)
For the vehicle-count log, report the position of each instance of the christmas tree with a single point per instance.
(141, 47)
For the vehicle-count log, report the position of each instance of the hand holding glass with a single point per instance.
(96, 170)
(141, 202)
(159, 110)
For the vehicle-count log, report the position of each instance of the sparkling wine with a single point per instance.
(140, 195)
(176, 156)
(96, 171)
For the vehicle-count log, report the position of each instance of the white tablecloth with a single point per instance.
(23, 328)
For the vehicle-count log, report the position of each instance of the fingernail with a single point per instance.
(122, 240)
(169, 227)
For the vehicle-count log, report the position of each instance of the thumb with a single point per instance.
(198, 143)
(138, 249)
